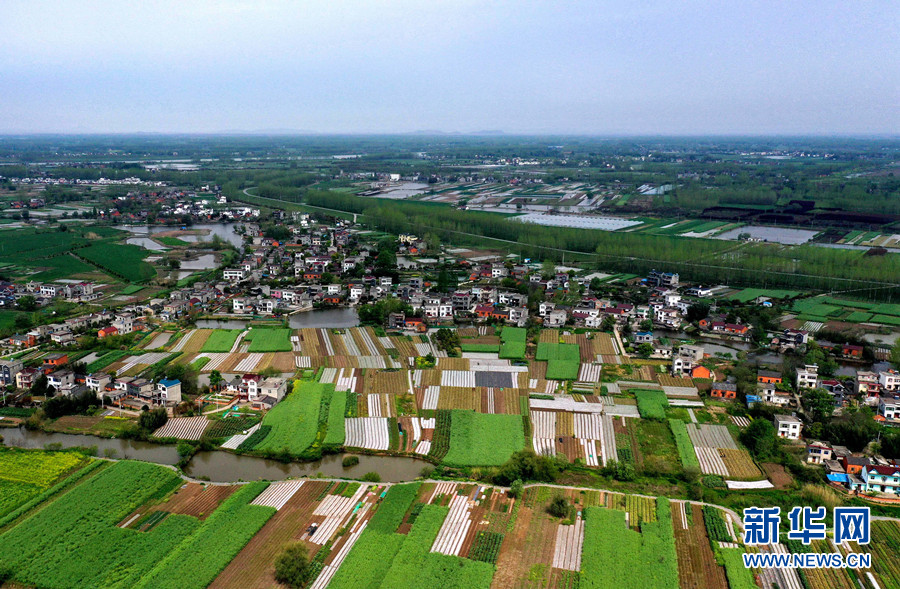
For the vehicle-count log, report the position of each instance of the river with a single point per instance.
(225, 467)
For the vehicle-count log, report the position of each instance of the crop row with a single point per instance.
(440, 443)
(614, 556)
(74, 541)
(197, 561)
(716, 527)
(683, 442)
(651, 404)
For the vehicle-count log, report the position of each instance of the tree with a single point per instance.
(759, 438)
(698, 311)
(646, 325)
(27, 303)
(819, 404)
(645, 350)
(558, 507)
(548, 269)
(292, 565)
(516, 489)
(152, 420)
(608, 323)
(215, 379)
(525, 465)
(40, 387)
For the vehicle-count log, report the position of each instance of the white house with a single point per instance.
(807, 376)
(788, 426)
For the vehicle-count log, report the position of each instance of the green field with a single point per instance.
(121, 260)
(172, 241)
(196, 562)
(488, 348)
(221, 340)
(479, 439)
(563, 360)
(748, 294)
(295, 420)
(514, 342)
(336, 432)
(615, 556)
(683, 443)
(269, 340)
(651, 404)
(74, 541)
(26, 474)
(513, 350)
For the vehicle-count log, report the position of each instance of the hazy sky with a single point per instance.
(596, 67)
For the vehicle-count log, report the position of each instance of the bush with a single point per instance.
(349, 461)
(371, 477)
(559, 507)
(292, 565)
(516, 489)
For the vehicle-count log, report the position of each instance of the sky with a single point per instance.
(599, 67)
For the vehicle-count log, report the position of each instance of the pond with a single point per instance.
(224, 467)
(226, 231)
(146, 243)
(317, 318)
(783, 235)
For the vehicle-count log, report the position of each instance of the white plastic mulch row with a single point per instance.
(377, 403)
(327, 339)
(710, 461)
(215, 359)
(328, 375)
(329, 570)
(711, 436)
(179, 345)
(566, 403)
(550, 388)
(234, 441)
(591, 456)
(350, 344)
(544, 424)
(544, 446)
(417, 378)
(590, 372)
(346, 381)
(567, 552)
(442, 489)
(588, 426)
(424, 447)
(763, 484)
(458, 378)
(237, 342)
(429, 423)
(368, 432)
(453, 531)
(423, 349)
(740, 420)
(371, 348)
(277, 494)
(183, 428)
(303, 361)
(432, 394)
(386, 342)
(249, 363)
(335, 509)
(532, 383)
(371, 362)
(482, 330)
(681, 391)
(295, 343)
(490, 401)
(416, 429)
(610, 452)
(147, 359)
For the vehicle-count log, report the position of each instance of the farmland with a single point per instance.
(25, 475)
(294, 421)
(478, 439)
(563, 360)
(121, 260)
(221, 340)
(651, 404)
(269, 340)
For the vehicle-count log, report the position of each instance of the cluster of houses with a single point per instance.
(45, 292)
(856, 472)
